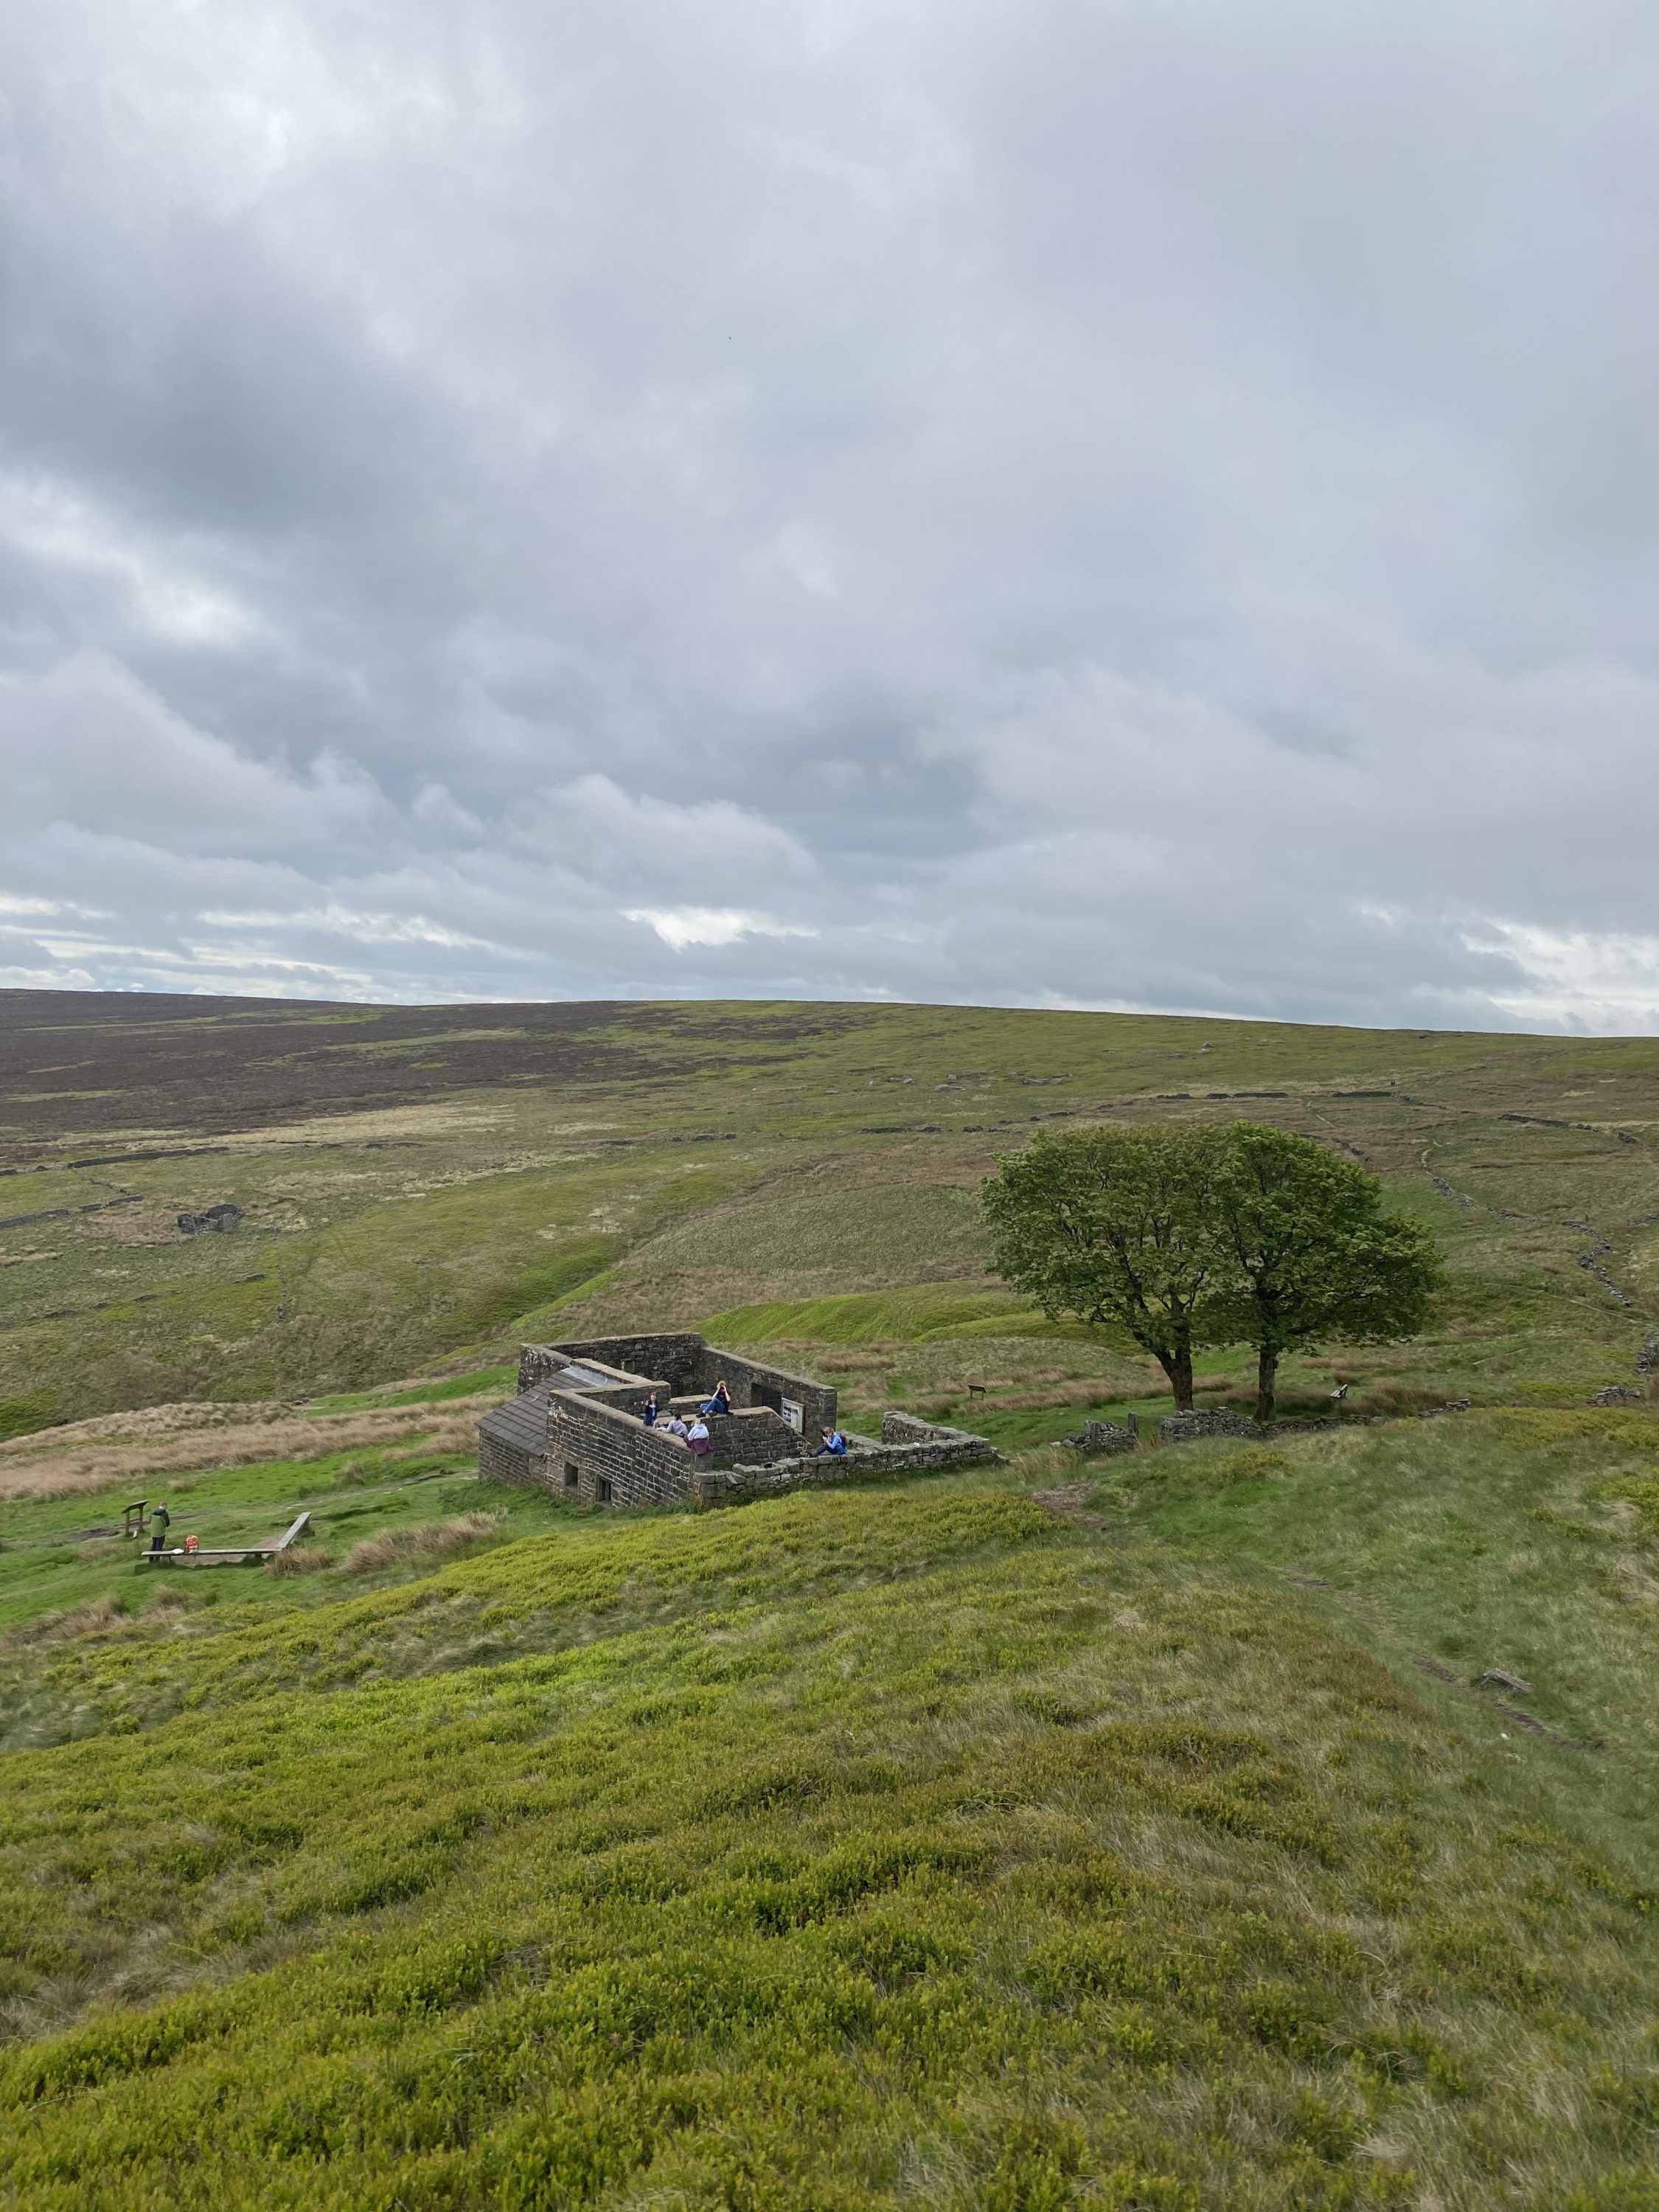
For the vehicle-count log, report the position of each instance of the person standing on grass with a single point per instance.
(697, 1437)
(159, 1521)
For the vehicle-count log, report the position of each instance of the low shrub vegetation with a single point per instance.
(1149, 1832)
(919, 1846)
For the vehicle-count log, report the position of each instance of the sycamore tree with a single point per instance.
(1188, 1236)
(1118, 1226)
(1311, 1253)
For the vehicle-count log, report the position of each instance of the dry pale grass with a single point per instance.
(1027, 1376)
(398, 1546)
(1051, 1398)
(100, 1616)
(1069, 1501)
(136, 1225)
(1631, 1581)
(300, 1559)
(147, 1422)
(440, 1118)
(1390, 1397)
(63, 1473)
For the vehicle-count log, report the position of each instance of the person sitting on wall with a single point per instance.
(833, 1446)
(697, 1437)
(649, 1416)
(720, 1401)
(670, 1423)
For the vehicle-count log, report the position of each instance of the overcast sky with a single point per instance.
(1061, 503)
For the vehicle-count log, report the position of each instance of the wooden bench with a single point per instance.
(218, 1555)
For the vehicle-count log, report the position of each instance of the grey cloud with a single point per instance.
(1075, 504)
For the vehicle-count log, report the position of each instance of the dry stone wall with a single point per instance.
(1107, 1436)
(683, 1364)
(589, 1444)
(671, 1357)
(754, 1435)
(600, 1457)
(501, 1462)
(907, 1446)
(1206, 1421)
(753, 1382)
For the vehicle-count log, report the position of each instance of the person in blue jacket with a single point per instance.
(833, 1446)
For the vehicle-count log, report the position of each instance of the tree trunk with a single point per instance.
(1178, 1367)
(1267, 1378)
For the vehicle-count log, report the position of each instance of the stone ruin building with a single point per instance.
(576, 1428)
(222, 1219)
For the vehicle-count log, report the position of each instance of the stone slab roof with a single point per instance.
(522, 1421)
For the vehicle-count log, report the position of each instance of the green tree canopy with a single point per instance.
(1184, 1236)
(1312, 1254)
(1117, 1226)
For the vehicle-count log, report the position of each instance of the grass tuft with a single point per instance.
(399, 1547)
(301, 1559)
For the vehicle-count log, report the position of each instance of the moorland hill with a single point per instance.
(1149, 1832)
(421, 1187)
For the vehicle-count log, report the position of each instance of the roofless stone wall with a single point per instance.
(690, 1366)
(598, 1456)
(670, 1359)
(585, 1441)
(907, 1446)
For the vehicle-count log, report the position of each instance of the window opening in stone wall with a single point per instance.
(602, 1491)
(573, 1474)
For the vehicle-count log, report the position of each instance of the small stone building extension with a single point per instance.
(576, 1427)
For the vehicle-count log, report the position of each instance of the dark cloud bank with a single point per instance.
(1081, 503)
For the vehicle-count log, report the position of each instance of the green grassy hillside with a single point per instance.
(1133, 1833)
(1034, 1838)
(422, 1188)
(965, 1843)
